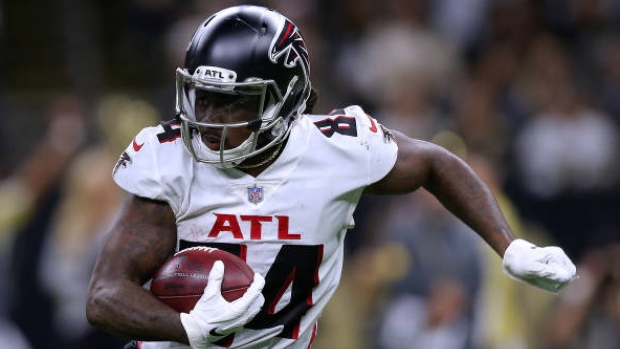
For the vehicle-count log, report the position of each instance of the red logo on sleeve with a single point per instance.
(373, 125)
(137, 146)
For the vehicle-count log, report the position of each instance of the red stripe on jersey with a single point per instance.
(314, 330)
(278, 297)
(295, 331)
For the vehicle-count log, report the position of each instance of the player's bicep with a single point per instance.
(411, 170)
(140, 239)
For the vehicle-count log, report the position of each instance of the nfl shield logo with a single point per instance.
(255, 194)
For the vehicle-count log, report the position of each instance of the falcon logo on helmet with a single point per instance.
(290, 44)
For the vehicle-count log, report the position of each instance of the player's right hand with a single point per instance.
(213, 317)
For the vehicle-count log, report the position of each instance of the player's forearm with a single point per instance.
(462, 192)
(127, 310)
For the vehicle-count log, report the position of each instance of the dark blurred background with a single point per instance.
(528, 92)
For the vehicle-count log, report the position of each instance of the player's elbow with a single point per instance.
(96, 306)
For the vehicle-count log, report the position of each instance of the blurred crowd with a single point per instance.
(526, 91)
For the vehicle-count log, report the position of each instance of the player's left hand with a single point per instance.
(213, 317)
(547, 268)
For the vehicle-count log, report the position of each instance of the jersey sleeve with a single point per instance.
(144, 168)
(380, 143)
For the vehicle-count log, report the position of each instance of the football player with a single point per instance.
(245, 167)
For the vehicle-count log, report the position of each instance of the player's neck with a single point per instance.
(261, 162)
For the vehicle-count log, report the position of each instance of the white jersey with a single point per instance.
(288, 223)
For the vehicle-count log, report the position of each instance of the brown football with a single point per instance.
(181, 280)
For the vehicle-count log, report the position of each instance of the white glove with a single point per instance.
(547, 268)
(213, 317)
